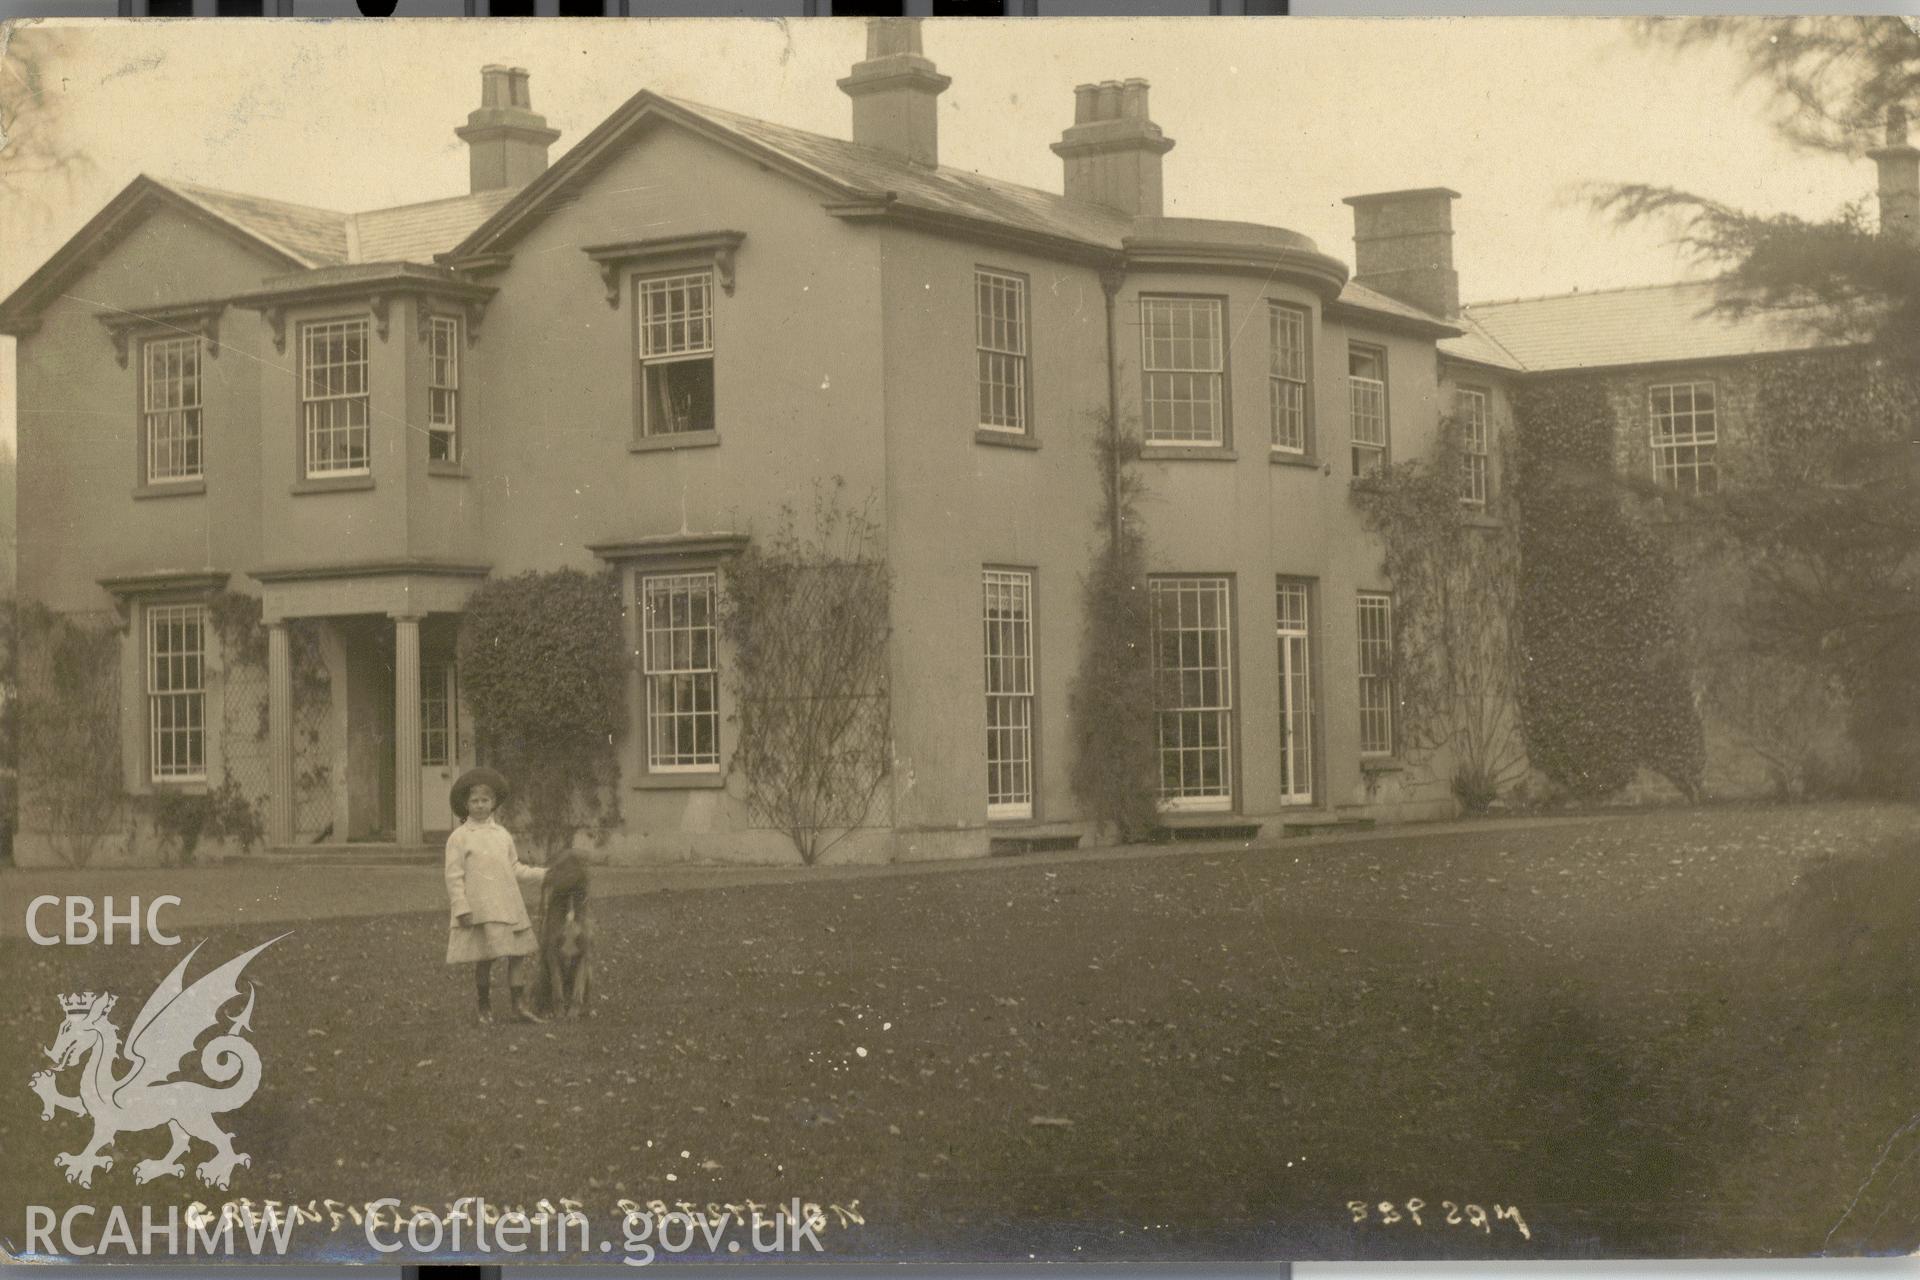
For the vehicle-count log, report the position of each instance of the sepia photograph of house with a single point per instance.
(975, 487)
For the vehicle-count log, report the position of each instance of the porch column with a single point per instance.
(279, 736)
(406, 730)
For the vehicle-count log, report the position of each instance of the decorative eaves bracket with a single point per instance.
(200, 318)
(423, 315)
(616, 260)
(469, 300)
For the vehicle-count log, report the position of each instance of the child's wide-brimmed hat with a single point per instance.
(472, 778)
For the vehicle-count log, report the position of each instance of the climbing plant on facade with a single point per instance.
(1455, 573)
(807, 616)
(1605, 687)
(1113, 697)
(543, 659)
(69, 731)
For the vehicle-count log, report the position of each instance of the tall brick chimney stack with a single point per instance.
(1403, 247)
(1899, 164)
(895, 93)
(506, 140)
(1112, 151)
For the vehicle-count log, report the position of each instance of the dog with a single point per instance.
(565, 985)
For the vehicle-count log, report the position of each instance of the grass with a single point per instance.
(1688, 1033)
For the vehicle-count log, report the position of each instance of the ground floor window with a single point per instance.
(1376, 674)
(1296, 693)
(681, 670)
(177, 692)
(1007, 619)
(1193, 665)
(436, 714)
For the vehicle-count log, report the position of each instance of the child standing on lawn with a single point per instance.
(484, 875)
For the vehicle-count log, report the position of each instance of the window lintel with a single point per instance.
(666, 550)
(195, 319)
(166, 586)
(616, 259)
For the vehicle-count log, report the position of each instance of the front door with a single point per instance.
(439, 741)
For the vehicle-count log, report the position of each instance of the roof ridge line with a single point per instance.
(1591, 293)
(1511, 354)
(196, 195)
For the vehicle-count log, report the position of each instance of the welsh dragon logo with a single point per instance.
(146, 1094)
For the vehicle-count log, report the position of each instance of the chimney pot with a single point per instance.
(895, 92)
(887, 37)
(1113, 149)
(506, 139)
(1084, 104)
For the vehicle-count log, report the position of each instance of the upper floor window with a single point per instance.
(170, 403)
(1685, 431)
(176, 692)
(1376, 674)
(443, 390)
(334, 400)
(1000, 339)
(1367, 407)
(1472, 405)
(1185, 364)
(682, 671)
(676, 353)
(1287, 329)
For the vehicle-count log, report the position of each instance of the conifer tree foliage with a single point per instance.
(1825, 509)
(1606, 685)
(1113, 697)
(543, 660)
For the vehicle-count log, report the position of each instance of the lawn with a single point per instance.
(1672, 1033)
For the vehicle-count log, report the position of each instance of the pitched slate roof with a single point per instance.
(1651, 324)
(1360, 297)
(315, 237)
(1477, 345)
(325, 238)
(941, 189)
(416, 232)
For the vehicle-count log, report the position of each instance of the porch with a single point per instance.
(393, 737)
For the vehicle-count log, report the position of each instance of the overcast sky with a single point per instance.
(1274, 121)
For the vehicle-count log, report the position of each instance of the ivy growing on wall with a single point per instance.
(1456, 574)
(1821, 536)
(69, 731)
(1113, 697)
(543, 658)
(1606, 686)
(807, 615)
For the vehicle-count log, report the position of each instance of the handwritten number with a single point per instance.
(1512, 1213)
(1453, 1213)
(1359, 1209)
(1477, 1217)
(1414, 1206)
